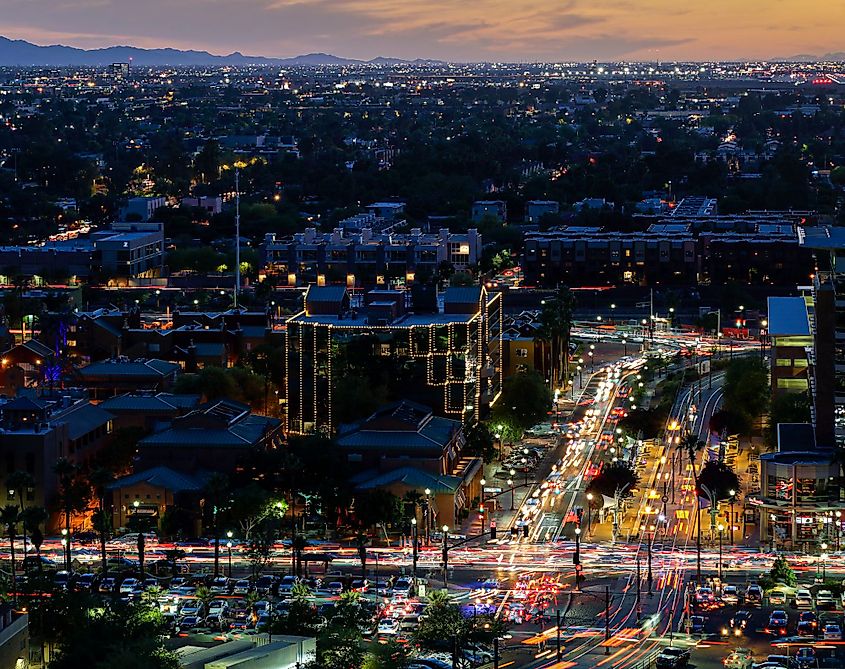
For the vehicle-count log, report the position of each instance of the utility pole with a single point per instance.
(557, 616)
(607, 620)
(495, 652)
(649, 577)
(237, 235)
(639, 607)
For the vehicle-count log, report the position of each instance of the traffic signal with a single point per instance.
(525, 530)
(492, 529)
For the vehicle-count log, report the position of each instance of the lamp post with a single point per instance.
(838, 515)
(66, 547)
(576, 557)
(649, 576)
(732, 493)
(823, 558)
(414, 553)
(524, 463)
(720, 528)
(589, 511)
(229, 546)
(592, 361)
(427, 516)
(625, 346)
(445, 557)
(510, 483)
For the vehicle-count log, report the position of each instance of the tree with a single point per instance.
(781, 572)
(479, 442)
(10, 516)
(21, 483)
(73, 491)
(251, 505)
(746, 388)
(390, 655)
(32, 519)
(613, 478)
(524, 402)
(719, 479)
(377, 507)
(102, 519)
(556, 329)
(691, 445)
(117, 635)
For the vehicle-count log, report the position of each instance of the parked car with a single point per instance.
(739, 658)
(128, 585)
(832, 632)
(754, 594)
(783, 660)
(806, 657)
(778, 621)
(388, 626)
(777, 598)
(672, 658)
(807, 623)
(220, 584)
(697, 624)
(107, 585)
(243, 587)
(803, 599)
(192, 607)
(824, 599)
(730, 594)
(86, 581)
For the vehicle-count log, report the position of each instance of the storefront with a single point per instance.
(800, 504)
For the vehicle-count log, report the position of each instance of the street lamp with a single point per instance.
(576, 557)
(524, 462)
(414, 552)
(510, 483)
(229, 546)
(445, 558)
(732, 493)
(823, 558)
(427, 515)
(589, 511)
(649, 578)
(721, 529)
(625, 344)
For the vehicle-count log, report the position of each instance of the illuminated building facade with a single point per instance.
(445, 354)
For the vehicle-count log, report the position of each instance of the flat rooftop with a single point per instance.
(788, 317)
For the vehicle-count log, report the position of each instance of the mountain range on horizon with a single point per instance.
(21, 53)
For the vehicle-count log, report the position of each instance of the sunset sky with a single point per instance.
(459, 30)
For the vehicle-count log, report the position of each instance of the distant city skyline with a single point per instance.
(484, 30)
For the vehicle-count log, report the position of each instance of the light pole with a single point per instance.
(66, 547)
(576, 558)
(823, 558)
(445, 557)
(592, 361)
(721, 529)
(414, 552)
(625, 345)
(732, 493)
(427, 516)
(589, 511)
(510, 483)
(524, 463)
(612, 309)
(229, 546)
(649, 577)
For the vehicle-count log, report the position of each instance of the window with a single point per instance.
(792, 384)
(783, 362)
(522, 353)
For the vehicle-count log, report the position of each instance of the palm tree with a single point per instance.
(691, 445)
(73, 495)
(10, 517)
(21, 483)
(102, 520)
(438, 598)
(215, 488)
(556, 329)
(300, 592)
(32, 519)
